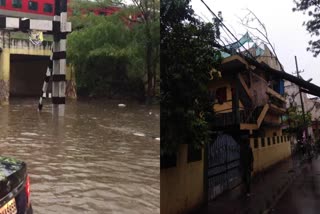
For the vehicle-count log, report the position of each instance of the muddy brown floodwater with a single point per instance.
(99, 158)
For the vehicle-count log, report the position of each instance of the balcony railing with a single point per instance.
(228, 119)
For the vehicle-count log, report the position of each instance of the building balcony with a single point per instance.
(249, 119)
(276, 101)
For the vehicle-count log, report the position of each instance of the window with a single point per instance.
(2, 2)
(47, 8)
(262, 142)
(221, 95)
(101, 13)
(17, 3)
(32, 5)
(281, 139)
(278, 139)
(269, 141)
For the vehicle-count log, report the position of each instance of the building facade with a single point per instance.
(249, 101)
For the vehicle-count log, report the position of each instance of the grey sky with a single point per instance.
(284, 27)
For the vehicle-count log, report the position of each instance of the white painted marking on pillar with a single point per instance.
(56, 18)
(55, 89)
(44, 95)
(45, 86)
(63, 64)
(69, 27)
(41, 25)
(12, 22)
(63, 19)
(50, 95)
(48, 72)
(62, 89)
(63, 45)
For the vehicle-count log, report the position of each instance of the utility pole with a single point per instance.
(302, 105)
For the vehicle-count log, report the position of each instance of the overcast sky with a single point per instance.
(284, 28)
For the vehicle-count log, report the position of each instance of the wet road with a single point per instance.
(303, 196)
(99, 158)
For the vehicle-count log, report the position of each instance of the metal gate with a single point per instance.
(223, 165)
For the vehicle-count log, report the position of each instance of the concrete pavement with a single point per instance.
(267, 189)
(303, 196)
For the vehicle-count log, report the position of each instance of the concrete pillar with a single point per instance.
(59, 57)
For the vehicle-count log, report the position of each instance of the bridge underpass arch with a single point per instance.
(27, 73)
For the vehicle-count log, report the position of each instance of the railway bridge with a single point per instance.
(23, 67)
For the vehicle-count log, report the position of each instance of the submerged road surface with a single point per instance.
(99, 158)
(303, 196)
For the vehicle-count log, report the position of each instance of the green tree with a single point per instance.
(313, 24)
(108, 51)
(149, 10)
(296, 121)
(187, 56)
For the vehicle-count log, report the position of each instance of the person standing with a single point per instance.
(246, 159)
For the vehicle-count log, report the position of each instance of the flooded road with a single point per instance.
(99, 158)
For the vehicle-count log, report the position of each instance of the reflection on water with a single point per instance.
(99, 158)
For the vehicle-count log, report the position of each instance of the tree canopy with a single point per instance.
(312, 8)
(187, 56)
(108, 52)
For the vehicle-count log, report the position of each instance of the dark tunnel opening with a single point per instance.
(27, 73)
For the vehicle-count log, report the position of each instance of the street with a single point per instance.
(304, 194)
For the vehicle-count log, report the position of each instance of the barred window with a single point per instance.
(47, 8)
(32, 5)
(2, 2)
(17, 3)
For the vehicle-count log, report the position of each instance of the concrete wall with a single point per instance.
(269, 131)
(181, 187)
(268, 155)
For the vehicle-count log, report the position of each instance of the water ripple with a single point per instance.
(90, 161)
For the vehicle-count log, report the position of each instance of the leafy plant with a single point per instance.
(187, 57)
(108, 52)
(312, 25)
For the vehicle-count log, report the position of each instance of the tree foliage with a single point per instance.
(312, 8)
(187, 56)
(297, 122)
(108, 51)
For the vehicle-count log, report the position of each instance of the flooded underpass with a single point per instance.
(99, 158)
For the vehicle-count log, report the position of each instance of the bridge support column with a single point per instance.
(4, 76)
(59, 57)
